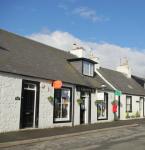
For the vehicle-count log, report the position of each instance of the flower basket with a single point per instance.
(50, 99)
(79, 101)
(137, 115)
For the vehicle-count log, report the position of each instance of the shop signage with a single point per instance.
(57, 84)
(85, 89)
(100, 96)
(118, 93)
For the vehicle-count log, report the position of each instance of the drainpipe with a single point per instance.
(73, 102)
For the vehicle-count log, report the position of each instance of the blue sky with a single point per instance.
(119, 22)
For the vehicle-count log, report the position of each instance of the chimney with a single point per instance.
(93, 57)
(79, 51)
(124, 68)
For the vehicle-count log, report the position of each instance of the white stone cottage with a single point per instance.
(131, 102)
(28, 99)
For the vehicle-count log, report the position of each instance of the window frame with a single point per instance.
(130, 104)
(105, 118)
(70, 109)
(90, 71)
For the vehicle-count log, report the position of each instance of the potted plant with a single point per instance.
(137, 115)
(127, 115)
(50, 99)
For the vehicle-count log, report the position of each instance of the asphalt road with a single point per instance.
(125, 138)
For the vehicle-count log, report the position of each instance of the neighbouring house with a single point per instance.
(29, 99)
(131, 103)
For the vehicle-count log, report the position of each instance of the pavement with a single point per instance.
(35, 135)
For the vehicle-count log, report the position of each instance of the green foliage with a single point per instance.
(137, 114)
(98, 112)
(132, 116)
(50, 99)
(127, 115)
(79, 101)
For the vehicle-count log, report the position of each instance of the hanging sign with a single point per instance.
(57, 84)
(85, 89)
(118, 93)
(100, 96)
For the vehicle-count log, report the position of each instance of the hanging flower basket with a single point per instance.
(79, 101)
(98, 102)
(50, 99)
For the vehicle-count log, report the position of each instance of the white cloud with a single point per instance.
(88, 13)
(62, 6)
(109, 54)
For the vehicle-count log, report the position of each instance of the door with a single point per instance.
(82, 111)
(89, 107)
(29, 104)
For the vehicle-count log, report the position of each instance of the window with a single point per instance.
(102, 108)
(62, 104)
(88, 68)
(128, 104)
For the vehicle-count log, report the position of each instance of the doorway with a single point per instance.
(85, 108)
(29, 104)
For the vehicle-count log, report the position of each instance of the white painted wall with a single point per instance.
(110, 99)
(76, 108)
(135, 106)
(10, 87)
(45, 107)
(93, 107)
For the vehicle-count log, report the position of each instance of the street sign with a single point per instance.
(118, 93)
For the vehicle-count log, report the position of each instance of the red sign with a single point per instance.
(57, 84)
(114, 108)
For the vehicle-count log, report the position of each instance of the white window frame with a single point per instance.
(90, 67)
(62, 102)
(129, 104)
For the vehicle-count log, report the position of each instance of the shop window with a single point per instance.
(102, 108)
(62, 104)
(128, 104)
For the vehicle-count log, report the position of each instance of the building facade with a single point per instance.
(28, 98)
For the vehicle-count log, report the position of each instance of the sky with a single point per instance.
(113, 29)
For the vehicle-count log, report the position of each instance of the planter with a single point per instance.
(50, 99)
(79, 101)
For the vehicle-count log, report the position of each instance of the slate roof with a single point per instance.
(23, 56)
(121, 82)
(140, 80)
